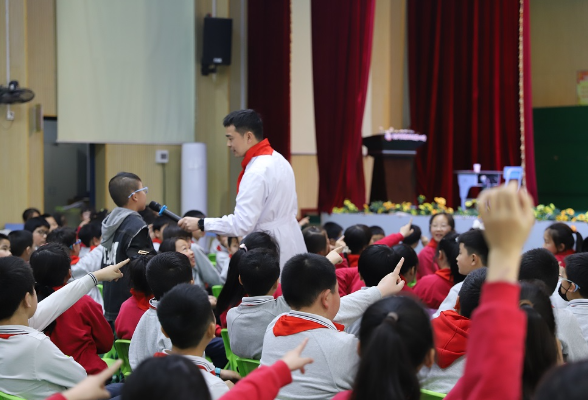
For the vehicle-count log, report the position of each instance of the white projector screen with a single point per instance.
(126, 71)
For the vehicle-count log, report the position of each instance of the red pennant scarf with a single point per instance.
(142, 300)
(288, 325)
(262, 148)
(9, 335)
(445, 274)
(432, 243)
(74, 260)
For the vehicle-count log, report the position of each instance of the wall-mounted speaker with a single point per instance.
(216, 43)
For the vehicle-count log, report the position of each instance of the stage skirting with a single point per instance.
(392, 222)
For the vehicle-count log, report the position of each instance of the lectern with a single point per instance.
(393, 177)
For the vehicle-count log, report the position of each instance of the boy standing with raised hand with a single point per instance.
(124, 234)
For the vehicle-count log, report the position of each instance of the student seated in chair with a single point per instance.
(187, 319)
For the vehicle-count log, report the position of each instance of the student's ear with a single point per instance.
(275, 285)
(325, 298)
(192, 282)
(240, 281)
(561, 247)
(28, 302)
(211, 331)
(442, 256)
(29, 250)
(68, 277)
(164, 334)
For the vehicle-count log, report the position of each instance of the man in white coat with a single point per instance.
(266, 190)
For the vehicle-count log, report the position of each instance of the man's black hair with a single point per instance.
(542, 265)
(375, 262)
(138, 273)
(19, 241)
(377, 230)
(34, 223)
(315, 239)
(121, 186)
(174, 231)
(411, 259)
(194, 214)
(16, 280)
(26, 215)
(475, 243)
(64, 236)
(333, 229)
(414, 237)
(577, 271)
(185, 314)
(245, 121)
(167, 270)
(304, 277)
(259, 270)
(469, 294)
(357, 237)
(161, 221)
(90, 231)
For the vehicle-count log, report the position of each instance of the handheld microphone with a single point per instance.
(162, 210)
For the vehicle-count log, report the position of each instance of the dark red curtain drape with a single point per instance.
(268, 68)
(464, 89)
(341, 54)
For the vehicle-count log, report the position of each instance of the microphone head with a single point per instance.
(155, 206)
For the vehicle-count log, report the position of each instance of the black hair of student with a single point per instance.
(394, 338)
(121, 186)
(170, 377)
(562, 234)
(232, 291)
(357, 237)
(51, 265)
(475, 243)
(414, 237)
(148, 215)
(449, 218)
(410, 257)
(375, 262)
(540, 264)
(174, 231)
(16, 280)
(244, 121)
(541, 351)
(90, 231)
(259, 270)
(4, 237)
(26, 215)
(166, 270)
(469, 294)
(333, 229)
(48, 216)
(19, 241)
(161, 221)
(304, 277)
(137, 268)
(60, 219)
(315, 239)
(377, 230)
(194, 214)
(577, 271)
(185, 314)
(169, 244)
(565, 382)
(449, 246)
(34, 223)
(65, 236)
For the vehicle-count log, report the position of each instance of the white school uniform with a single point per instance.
(147, 338)
(31, 366)
(266, 202)
(247, 323)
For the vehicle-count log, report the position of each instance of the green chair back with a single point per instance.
(216, 289)
(429, 395)
(212, 258)
(231, 357)
(122, 348)
(246, 365)
(101, 288)
(6, 396)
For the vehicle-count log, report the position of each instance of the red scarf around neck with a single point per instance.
(142, 300)
(262, 148)
(288, 325)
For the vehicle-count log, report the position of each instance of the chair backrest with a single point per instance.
(212, 258)
(513, 174)
(6, 396)
(231, 357)
(246, 365)
(216, 289)
(122, 348)
(430, 395)
(101, 288)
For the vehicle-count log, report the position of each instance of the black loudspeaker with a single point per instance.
(216, 43)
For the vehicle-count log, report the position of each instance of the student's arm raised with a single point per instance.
(496, 344)
(54, 305)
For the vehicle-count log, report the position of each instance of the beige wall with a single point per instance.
(559, 38)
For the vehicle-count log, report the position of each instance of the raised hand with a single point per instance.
(392, 283)
(112, 272)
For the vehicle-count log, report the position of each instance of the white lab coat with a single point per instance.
(266, 203)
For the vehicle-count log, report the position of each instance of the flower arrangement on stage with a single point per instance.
(439, 204)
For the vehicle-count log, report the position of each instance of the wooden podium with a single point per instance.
(393, 177)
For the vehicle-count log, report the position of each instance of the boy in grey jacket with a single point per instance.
(309, 286)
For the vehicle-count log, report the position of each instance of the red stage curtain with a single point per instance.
(464, 89)
(268, 68)
(341, 51)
